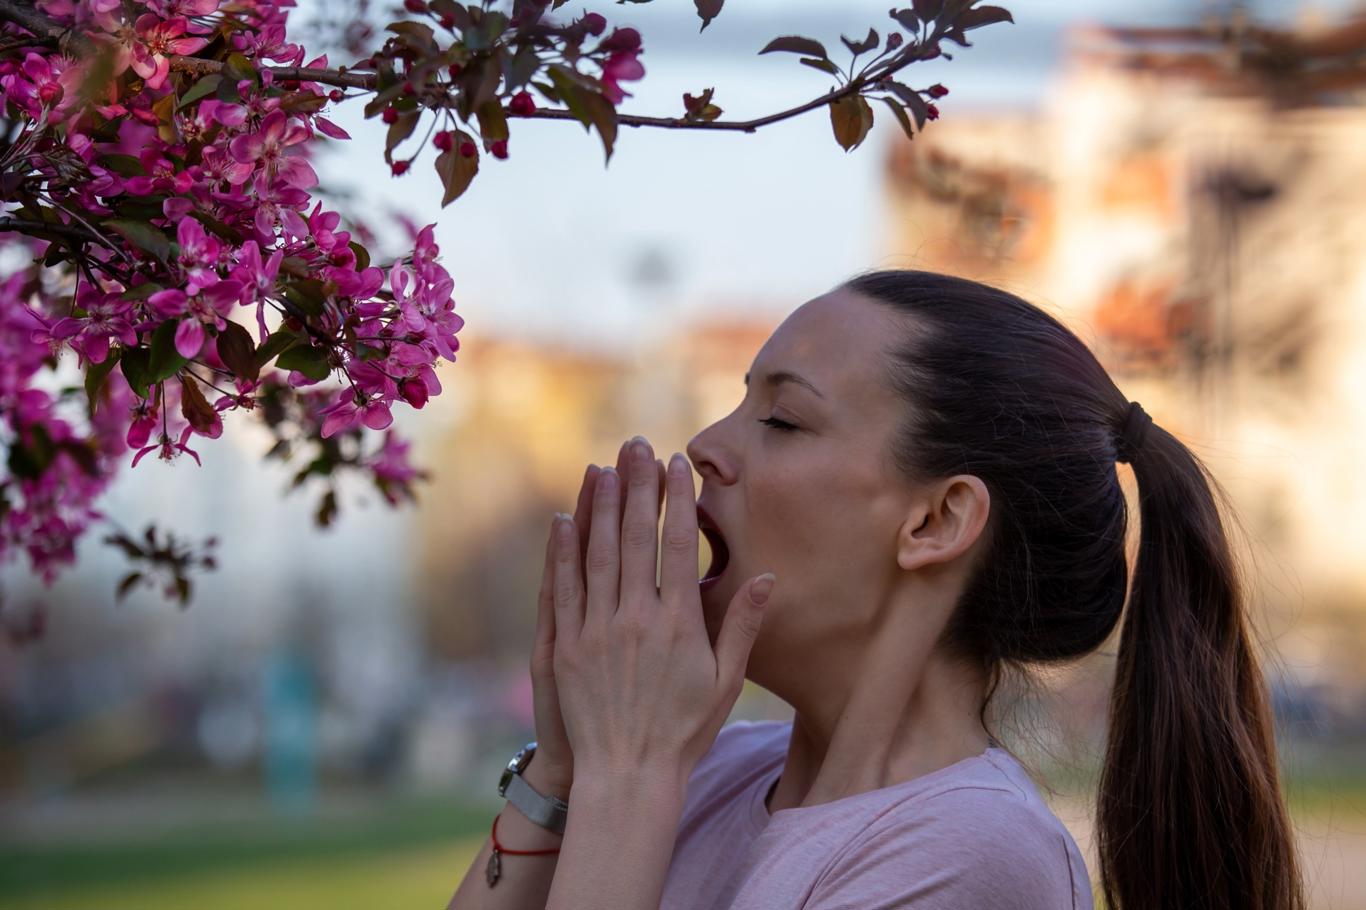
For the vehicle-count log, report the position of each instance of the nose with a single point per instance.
(710, 456)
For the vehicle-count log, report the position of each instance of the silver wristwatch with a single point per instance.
(546, 811)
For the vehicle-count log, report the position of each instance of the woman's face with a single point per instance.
(820, 505)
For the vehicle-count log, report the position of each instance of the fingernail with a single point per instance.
(608, 479)
(762, 587)
(640, 450)
(678, 464)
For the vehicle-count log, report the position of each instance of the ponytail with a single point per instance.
(1190, 813)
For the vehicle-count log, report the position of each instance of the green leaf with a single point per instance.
(123, 165)
(708, 10)
(493, 121)
(851, 118)
(129, 580)
(571, 93)
(163, 360)
(861, 47)
(307, 295)
(238, 67)
(982, 15)
(276, 344)
(797, 45)
(417, 35)
(928, 10)
(604, 116)
(914, 103)
(362, 256)
(310, 361)
(456, 172)
(399, 130)
(142, 235)
(194, 407)
(238, 352)
(206, 86)
(824, 66)
(901, 117)
(95, 375)
(134, 364)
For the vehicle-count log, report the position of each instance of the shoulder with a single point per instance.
(982, 839)
(748, 739)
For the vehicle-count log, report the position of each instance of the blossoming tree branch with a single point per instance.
(161, 226)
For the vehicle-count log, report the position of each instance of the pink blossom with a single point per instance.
(158, 41)
(621, 65)
(169, 449)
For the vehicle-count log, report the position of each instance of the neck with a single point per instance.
(902, 715)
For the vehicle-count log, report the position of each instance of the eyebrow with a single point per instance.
(781, 376)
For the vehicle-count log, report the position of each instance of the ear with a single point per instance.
(944, 523)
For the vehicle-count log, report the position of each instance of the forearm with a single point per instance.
(619, 841)
(524, 881)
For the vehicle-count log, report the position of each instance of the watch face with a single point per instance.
(515, 766)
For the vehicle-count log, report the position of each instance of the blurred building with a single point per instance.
(1189, 201)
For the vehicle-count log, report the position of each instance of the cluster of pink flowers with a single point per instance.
(61, 454)
(193, 198)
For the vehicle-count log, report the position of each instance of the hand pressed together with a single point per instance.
(638, 681)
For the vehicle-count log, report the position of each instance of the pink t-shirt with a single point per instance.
(973, 835)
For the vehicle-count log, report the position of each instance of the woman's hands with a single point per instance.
(553, 752)
(638, 681)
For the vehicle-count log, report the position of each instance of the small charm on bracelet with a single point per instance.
(494, 868)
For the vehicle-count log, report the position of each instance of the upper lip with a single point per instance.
(705, 520)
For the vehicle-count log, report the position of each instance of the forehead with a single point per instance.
(838, 341)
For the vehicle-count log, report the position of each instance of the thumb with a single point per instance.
(740, 628)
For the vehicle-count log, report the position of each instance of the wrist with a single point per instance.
(545, 781)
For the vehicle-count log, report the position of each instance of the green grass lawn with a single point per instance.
(403, 856)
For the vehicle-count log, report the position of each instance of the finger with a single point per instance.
(569, 596)
(739, 630)
(624, 472)
(604, 550)
(678, 552)
(640, 527)
(545, 609)
(663, 482)
(583, 509)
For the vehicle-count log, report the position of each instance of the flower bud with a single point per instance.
(454, 70)
(894, 41)
(50, 94)
(413, 392)
(335, 95)
(448, 21)
(621, 39)
(415, 6)
(468, 150)
(499, 148)
(443, 140)
(389, 114)
(408, 89)
(931, 111)
(594, 24)
(522, 104)
(399, 168)
(937, 91)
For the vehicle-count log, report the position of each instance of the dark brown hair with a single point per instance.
(1189, 811)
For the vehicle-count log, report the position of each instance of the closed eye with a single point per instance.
(778, 424)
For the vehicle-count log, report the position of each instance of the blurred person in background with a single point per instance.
(928, 465)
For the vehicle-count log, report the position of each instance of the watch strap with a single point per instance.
(547, 811)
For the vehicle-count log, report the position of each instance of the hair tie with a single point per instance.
(1132, 433)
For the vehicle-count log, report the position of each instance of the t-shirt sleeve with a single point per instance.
(962, 849)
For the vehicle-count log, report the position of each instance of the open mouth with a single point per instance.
(720, 554)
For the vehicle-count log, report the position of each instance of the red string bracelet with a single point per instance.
(495, 866)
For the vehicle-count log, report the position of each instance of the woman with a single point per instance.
(927, 466)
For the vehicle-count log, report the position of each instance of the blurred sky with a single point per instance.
(551, 244)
